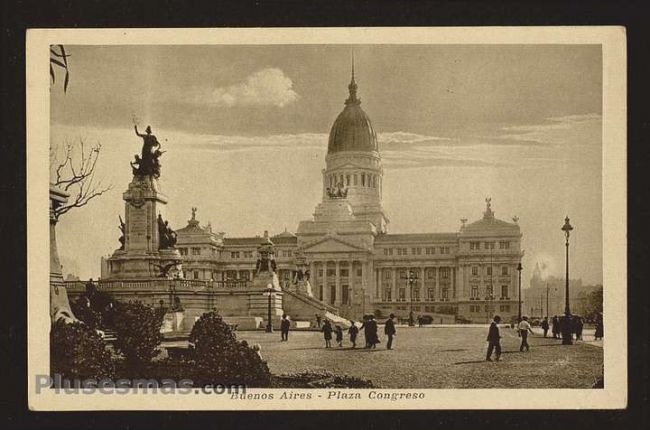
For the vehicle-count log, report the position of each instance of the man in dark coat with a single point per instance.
(389, 330)
(327, 333)
(369, 327)
(284, 328)
(353, 331)
(494, 339)
(545, 326)
(556, 327)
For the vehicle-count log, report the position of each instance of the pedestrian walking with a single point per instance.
(579, 325)
(370, 331)
(353, 331)
(318, 320)
(524, 327)
(285, 324)
(389, 330)
(494, 339)
(545, 326)
(339, 335)
(420, 319)
(556, 327)
(599, 327)
(327, 333)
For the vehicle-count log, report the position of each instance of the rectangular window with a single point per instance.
(474, 293)
(488, 291)
(416, 251)
(331, 272)
(416, 294)
(345, 272)
(445, 293)
(504, 308)
(196, 251)
(474, 270)
(388, 294)
(504, 245)
(431, 273)
(429, 250)
(183, 251)
(345, 294)
(402, 274)
(504, 291)
(363, 179)
(347, 180)
(387, 274)
(504, 270)
(488, 270)
(402, 295)
(359, 272)
(195, 274)
(244, 275)
(320, 273)
(489, 245)
(445, 272)
(431, 294)
(355, 177)
(234, 254)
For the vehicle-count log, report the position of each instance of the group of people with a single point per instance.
(524, 328)
(370, 331)
(577, 326)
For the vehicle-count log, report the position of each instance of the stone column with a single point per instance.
(394, 287)
(453, 282)
(324, 283)
(421, 283)
(312, 273)
(438, 289)
(407, 286)
(337, 298)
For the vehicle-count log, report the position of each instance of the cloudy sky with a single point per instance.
(245, 129)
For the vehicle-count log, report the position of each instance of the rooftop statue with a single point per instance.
(337, 193)
(147, 163)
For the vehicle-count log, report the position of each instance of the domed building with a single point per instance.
(359, 268)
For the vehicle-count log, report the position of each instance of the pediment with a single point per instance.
(331, 244)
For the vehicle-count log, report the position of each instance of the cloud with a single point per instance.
(565, 130)
(266, 87)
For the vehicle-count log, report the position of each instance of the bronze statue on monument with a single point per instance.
(147, 164)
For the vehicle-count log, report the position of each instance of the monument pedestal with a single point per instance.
(141, 256)
(259, 303)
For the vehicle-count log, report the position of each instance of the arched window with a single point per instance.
(363, 179)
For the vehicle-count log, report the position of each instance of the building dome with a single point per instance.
(352, 130)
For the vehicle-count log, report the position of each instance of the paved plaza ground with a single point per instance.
(439, 357)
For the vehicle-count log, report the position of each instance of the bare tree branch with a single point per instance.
(76, 175)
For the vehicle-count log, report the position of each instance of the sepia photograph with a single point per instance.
(331, 218)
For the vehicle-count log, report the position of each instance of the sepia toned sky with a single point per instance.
(245, 129)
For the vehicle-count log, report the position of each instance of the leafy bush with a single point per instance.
(319, 379)
(84, 312)
(221, 359)
(78, 352)
(137, 329)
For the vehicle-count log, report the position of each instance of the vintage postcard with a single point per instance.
(327, 218)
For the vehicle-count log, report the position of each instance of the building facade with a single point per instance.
(354, 263)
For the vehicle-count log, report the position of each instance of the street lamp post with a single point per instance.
(519, 269)
(269, 321)
(567, 335)
(411, 279)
